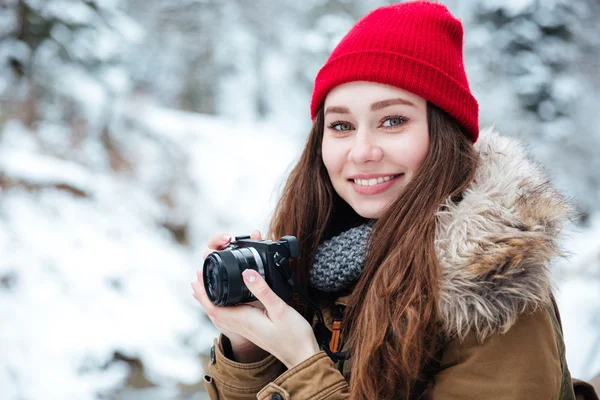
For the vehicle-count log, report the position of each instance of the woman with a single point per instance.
(430, 252)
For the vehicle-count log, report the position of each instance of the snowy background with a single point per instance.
(132, 130)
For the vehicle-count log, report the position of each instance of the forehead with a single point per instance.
(362, 92)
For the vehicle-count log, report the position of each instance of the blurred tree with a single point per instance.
(532, 65)
(175, 61)
(64, 59)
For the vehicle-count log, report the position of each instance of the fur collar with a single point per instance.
(495, 245)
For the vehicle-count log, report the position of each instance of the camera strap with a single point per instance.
(322, 334)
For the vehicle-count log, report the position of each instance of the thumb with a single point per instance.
(255, 235)
(263, 293)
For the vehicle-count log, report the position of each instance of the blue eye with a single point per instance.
(340, 126)
(394, 120)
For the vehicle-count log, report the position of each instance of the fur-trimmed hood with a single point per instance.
(495, 245)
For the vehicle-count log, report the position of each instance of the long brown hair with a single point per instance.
(391, 321)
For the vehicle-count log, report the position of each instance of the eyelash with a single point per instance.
(403, 120)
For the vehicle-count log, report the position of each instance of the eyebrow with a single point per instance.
(378, 105)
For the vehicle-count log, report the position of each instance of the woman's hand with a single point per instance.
(278, 328)
(243, 349)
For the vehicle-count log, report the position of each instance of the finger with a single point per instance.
(256, 304)
(239, 319)
(198, 286)
(218, 241)
(255, 235)
(200, 290)
(200, 295)
(259, 288)
(200, 277)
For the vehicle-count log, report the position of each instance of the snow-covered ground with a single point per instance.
(87, 269)
(578, 297)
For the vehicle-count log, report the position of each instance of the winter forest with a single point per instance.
(132, 130)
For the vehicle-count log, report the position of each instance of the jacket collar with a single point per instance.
(495, 245)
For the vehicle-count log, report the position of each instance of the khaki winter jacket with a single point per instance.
(494, 249)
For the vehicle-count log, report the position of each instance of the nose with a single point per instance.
(365, 147)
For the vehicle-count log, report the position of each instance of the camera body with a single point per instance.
(222, 271)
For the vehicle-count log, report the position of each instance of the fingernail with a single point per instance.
(249, 275)
(226, 238)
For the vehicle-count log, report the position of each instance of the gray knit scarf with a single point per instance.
(340, 260)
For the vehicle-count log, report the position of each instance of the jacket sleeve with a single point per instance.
(523, 363)
(231, 380)
(315, 378)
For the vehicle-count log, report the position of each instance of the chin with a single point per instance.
(368, 212)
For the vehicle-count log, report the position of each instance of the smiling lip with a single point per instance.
(375, 189)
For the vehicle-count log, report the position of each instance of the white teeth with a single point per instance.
(374, 181)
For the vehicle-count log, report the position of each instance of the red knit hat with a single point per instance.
(416, 46)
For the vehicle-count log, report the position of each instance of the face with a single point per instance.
(375, 139)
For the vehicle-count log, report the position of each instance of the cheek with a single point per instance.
(421, 154)
(333, 160)
(419, 150)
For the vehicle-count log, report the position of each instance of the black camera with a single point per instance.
(222, 271)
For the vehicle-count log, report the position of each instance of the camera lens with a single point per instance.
(214, 284)
(222, 273)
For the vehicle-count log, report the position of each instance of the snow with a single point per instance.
(239, 165)
(578, 297)
(91, 277)
(88, 276)
(510, 7)
(42, 170)
(70, 11)
(578, 301)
